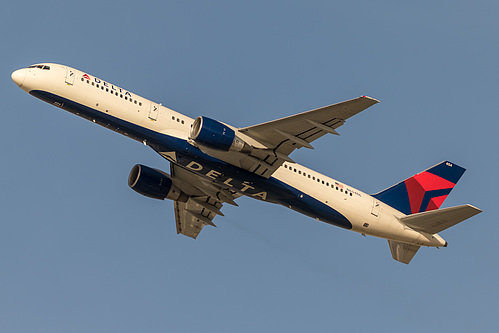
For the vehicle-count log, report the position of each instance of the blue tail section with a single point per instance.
(424, 191)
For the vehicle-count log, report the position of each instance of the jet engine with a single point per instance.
(214, 134)
(154, 184)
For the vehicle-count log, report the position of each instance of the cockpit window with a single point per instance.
(40, 66)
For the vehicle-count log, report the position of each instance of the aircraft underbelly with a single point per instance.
(191, 158)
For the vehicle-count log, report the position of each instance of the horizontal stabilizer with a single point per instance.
(437, 220)
(402, 252)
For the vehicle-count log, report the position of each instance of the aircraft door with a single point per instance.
(376, 207)
(154, 111)
(70, 76)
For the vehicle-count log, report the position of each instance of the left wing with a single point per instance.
(300, 130)
(205, 201)
(271, 143)
(277, 139)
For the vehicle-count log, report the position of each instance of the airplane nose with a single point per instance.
(19, 76)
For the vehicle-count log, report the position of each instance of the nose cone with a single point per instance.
(19, 76)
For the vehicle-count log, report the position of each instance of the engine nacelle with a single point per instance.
(154, 184)
(211, 133)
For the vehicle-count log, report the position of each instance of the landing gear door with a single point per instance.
(153, 112)
(376, 207)
(70, 76)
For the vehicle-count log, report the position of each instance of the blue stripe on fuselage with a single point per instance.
(212, 169)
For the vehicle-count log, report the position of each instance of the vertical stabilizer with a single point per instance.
(424, 191)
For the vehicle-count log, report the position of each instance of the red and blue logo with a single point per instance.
(425, 191)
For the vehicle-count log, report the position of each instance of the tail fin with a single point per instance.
(424, 191)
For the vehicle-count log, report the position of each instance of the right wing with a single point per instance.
(192, 216)
(204, 203)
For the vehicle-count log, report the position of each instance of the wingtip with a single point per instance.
(370, 98)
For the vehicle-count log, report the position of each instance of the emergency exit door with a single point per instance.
(376, 207)
(154, 111)
(70, 76)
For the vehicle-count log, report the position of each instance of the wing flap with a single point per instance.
(204, 204)
(438, 220)
(191, 217)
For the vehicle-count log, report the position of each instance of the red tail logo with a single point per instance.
(420, 184)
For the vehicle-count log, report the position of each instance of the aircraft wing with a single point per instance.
(279, 138)
(289, 133)
(204, 203)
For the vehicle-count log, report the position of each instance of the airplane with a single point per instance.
(213, 163)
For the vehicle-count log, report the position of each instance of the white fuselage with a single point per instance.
(144, 120)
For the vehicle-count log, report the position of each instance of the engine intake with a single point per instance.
(154, 184)
(214, 134)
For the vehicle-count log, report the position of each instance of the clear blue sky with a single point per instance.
(81, 252)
